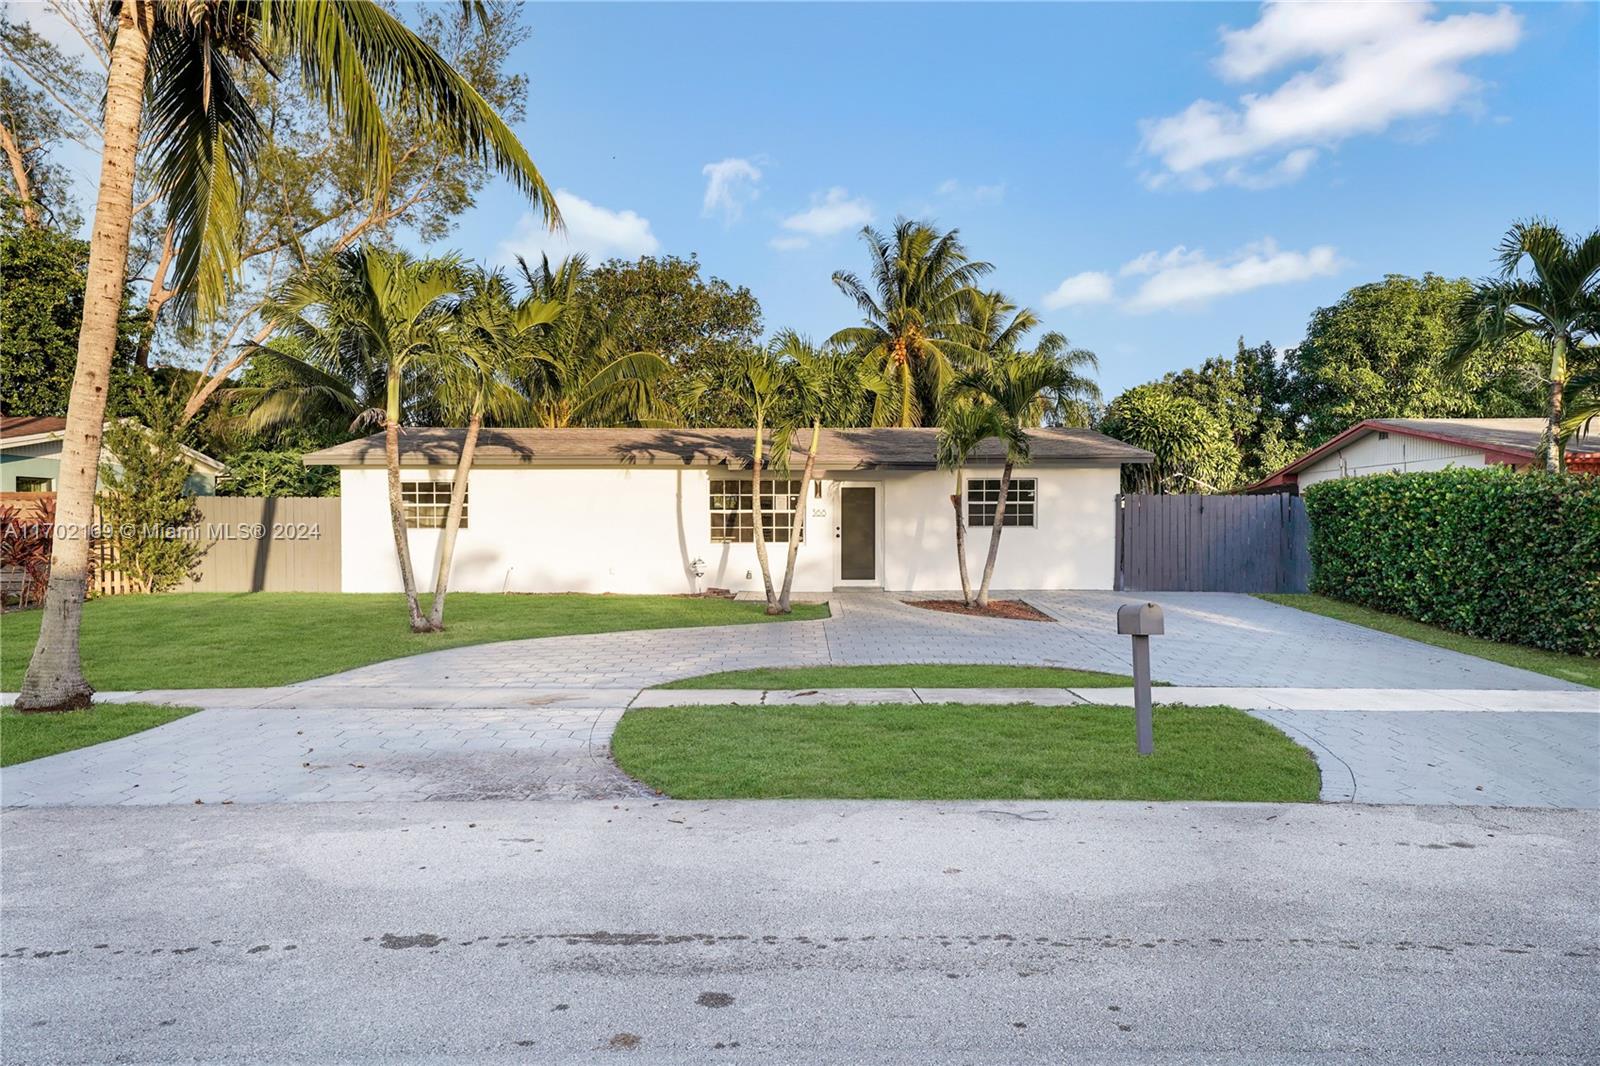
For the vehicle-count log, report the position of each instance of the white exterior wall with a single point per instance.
(639, 530)
(1406, 454)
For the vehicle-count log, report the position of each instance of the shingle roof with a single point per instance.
(29, 425)
(838, 449)
(1510, 434)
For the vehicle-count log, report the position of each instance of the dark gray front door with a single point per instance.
(858, 534)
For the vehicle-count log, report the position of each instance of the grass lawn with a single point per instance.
(1579, 669)
(955, 751)
(227, 640)
(33, 736)
(905, 675)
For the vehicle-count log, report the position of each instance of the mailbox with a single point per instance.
(1140, 620)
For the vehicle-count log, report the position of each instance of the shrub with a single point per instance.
(144, 497)
(1491, 553)
(25, 541)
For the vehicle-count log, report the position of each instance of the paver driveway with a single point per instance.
(532, 719)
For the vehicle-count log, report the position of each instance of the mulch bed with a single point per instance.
(1013, 609)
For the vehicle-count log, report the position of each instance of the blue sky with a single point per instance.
(1200, 171)
(1155, 179)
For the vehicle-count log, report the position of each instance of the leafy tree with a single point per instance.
(360, 63)
(1381, 352)
(1250, 396)
(46, 97)
(1555, 304)
(311, 194)
(661, 304)
(41, 309)
(915, 305)
(267, 473)
(1191, 446)
(145, 499)
(38, 186)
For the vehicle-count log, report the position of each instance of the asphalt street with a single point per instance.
(493, 932)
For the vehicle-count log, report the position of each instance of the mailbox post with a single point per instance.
(1142, 621)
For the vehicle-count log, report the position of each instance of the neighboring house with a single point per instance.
(670, 511)
(30, 457)
(1406, 445)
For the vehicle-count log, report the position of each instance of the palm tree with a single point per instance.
(1020, 390)
(963, 428)
(823, 387)
(385, 313)
(489, 333)
(998, 326)
(914, 303)
(577, 374)
(186, 57)
(1559, 304)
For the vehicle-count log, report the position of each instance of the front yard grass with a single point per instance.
(956, 751)
(33, 736)
(244, 640)
(1579, 669)
(905, 675)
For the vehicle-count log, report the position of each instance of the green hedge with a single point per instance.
(1491, 553)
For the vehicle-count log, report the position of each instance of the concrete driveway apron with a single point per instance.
(532, 719)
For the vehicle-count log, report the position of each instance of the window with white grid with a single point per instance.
(983, 499)
(427, 503)
(733, 510)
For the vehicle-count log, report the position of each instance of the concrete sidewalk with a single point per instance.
(1249, 699)
(319, 697)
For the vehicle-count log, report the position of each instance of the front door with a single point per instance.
(858, 533)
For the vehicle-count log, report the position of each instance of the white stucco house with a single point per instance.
(670, 511)
(1411, 445)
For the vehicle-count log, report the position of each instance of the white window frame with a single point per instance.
(427, 503)
(1014, 505)
(776, 520)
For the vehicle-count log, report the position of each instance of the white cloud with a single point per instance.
(596, 231)
(830, 213)
(951, 189)
(730, 185)
(1372, 64)
(1184, 277)
(1089, 287)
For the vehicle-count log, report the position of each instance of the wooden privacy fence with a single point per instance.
(257, 544)
(1194, 543)
(268, 544)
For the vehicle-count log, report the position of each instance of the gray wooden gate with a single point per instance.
(1193, 543)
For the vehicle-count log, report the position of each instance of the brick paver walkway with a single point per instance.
(533, 719)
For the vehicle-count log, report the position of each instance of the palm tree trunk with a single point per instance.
(760, 529)
(1550, 439)
(994, 535)
(397, 505)
(961, 543)
(905, 394)
(452, 519)
(799, 519)
(55, 681)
